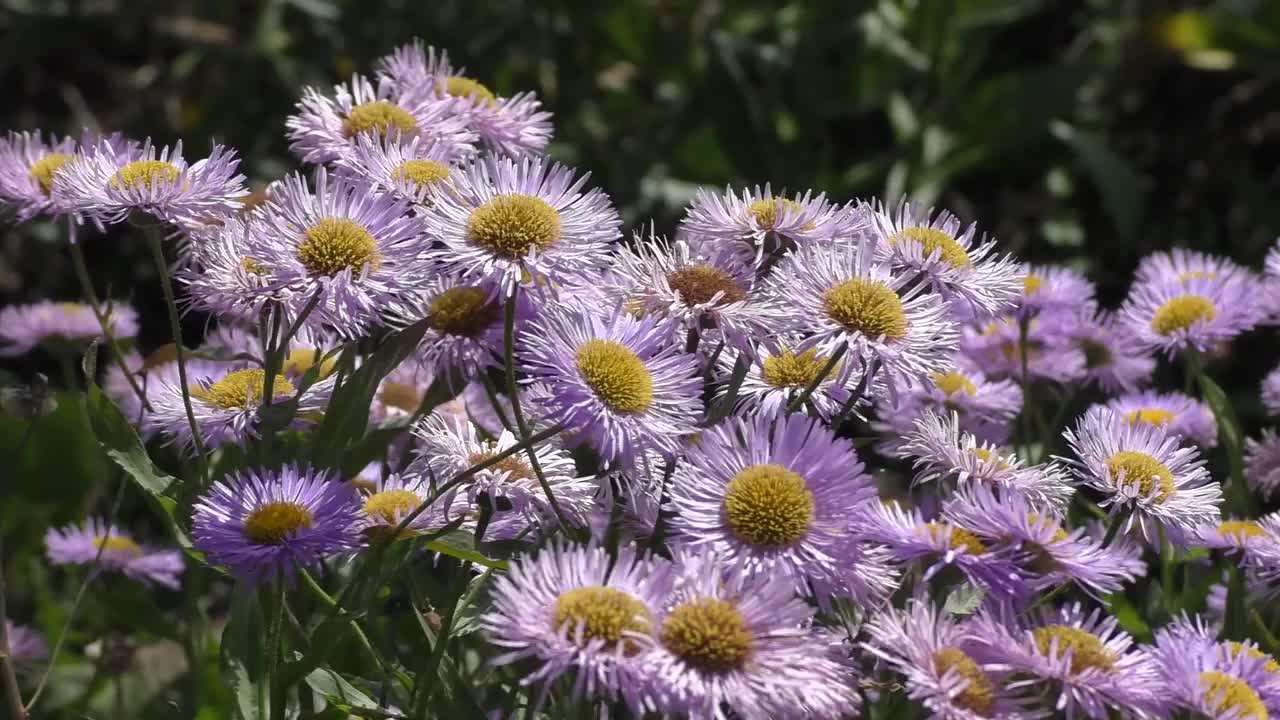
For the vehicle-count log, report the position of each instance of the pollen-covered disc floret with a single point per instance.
(412, 167)
(389, 501)
(67, 324)
(28, 165)
(265, 524)
(464, 323)
(99, 543)
(780, 370)
(1219, 680)
(1171, 314)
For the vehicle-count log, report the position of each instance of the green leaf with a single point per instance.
(1238, 496)
(461, 544)
(1128, 616)
(242, 654)
(338, 691)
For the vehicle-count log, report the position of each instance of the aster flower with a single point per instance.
(1143, 472)
(519, 221)
(772, 493)
(580, 611)
(985, 408)
(1181, 415)
(943, 452)
(326, 128)
(464, 324)
(763, 224)
(25, 327)
(1172, 315)
(410, 169)
(929, 649)
(997, 348)
(225, 276)
(1271, 392)
(1186, 265)
(261, 524)
(779, 370)
(27, 166)
(734, 644)
(1220, 681)
(1262, 463)
(448, 446)
(1113, 359)
(400, 393)
(842, 296)
(964, 269)
(616, 380)
(387, 501)
(1088, 662)
(358, 251)
(109, 180)
(1254, 539)
(26, 647)
(513, 126)
(1049, 289)
(81, 544)
(1044, 549)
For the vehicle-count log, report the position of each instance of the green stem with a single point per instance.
(175, 328)
(1114, 526)
(334, 607)
(13, 696)
(800, 399)
(274, 648)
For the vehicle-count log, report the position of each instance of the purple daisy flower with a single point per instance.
(81, 544)
(1113, 359)
(985, 408)
(27, 648)
(1172, 315)
(359, 251)
(1048, 553)
(1181, 415)
(772, 493)
(519, 222)
(617, 381)
(261, 524)
(997, 348)
(1254, 539)
(464, 324)
(513, 126)
(28, 165)
(446, 447)
(965, 270)
(1220, 681)
(1143, 472)
(224, 276)
(25, 327)
(742, 645)
(387, 501)
(930, 650)
(1187, 265)
(1049, 289)
(410, 170)
(326, 128)
(779, 371)
(1262, 463)
(1090, 664)
(842, 296)
(1271, 392)
(761, 224)
(577, 612)
(108, 181)
(400, 394)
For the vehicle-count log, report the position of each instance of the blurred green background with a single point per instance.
(1083, 132)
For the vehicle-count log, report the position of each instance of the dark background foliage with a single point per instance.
(1089, 133)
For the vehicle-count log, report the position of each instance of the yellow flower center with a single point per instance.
(789, 370)
(253, 265)
(462, 311)
(697, 284)
(616, 375)
(515, 468)
(1150, 416)
(1228, 694)
(709, 634)
(989, 457)
(604, 613)
(242, 389)
(767, 212)
(868, 307)
(1087, 650)
(117, 544)
(390, 506)
(932, 240)
(954, 382)
(146, 173)
(420, 172)
(301, 359)
(768, 505)
(1196, 275)
(459, 86)
(335, 244)
(979, 695)
(1031, 284)
(1182, 312)
(1241, 528)
(401, 395)
(43, 170)
(959, 538)
(510, 226)
(379, 116)
(273, 522)
(1036, 520)
(1146, 471)
(1096, 354)
(1235, 647)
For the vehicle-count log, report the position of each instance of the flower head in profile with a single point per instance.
(959, 265)
(1145, 473)
(842, 296)
(386, 502)
(728, 638)
(772, 493)
(1217, 680)
(409, 168)
(574, 609)
(1113, 359)
(513, 222)
(1255, 540)
(108, 181)
(1262, 463)
(113, 550)
(617, 381)
(27, 648)
(1188, 265)
(327, 127)
(357, 251)
(1052, 289)
(1173, 315)
(779, 371)
(28, 164)
(1181, 415)
(267, 523)
(757, 224)
(61, 325)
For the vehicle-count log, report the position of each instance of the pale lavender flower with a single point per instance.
(225, 276)
(1219, 681)
(986, 408)
(758, 224)
(1113, 359)
(997, 347)
(387, 501)
(28, 164)
(1271, 392)
(410, 169)
(778, 371)
(464, 323)
(1187, 265)
(120, 552)
(1181, 415)
(1051, 289)
(27, 648)
(1262, 463)
(1172, 315)
(264, 524)
(68, 324)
